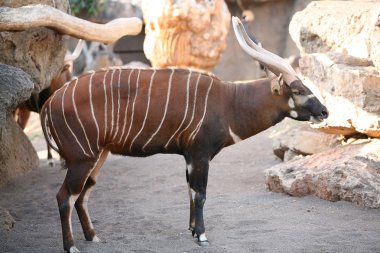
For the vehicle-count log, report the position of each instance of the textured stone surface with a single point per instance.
(350, 172)
(6, 220)
(17, 155)
(339, 42)
(303, 140)
(351, 93)
(185, 33)
(37, 56)
(39, 52)
(15, 87)
(351, 27)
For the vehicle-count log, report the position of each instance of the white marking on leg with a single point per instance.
(166, 109)
(71, 131)
(186, 108)
(118, 106)
(71, 201)
(196, 130)
(133, 106)
(202, 238)
(234, 136)
(105, 105)
(294, 114)
(73, 249)
(96, 239)
(194, 104)
(189, 168)
(126, 110)
(112, 106)
(147, 110)
(291, 103)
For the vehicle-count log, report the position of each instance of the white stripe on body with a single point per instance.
(147, 110)
(77, 115)
(133, 106)
(194, 104)
(186, 109)
(51, 119)
(166, 109)
(118, 106)
(105, 105)
(93, 112)
(126, 110)
(196, 130)
(112, 107)
(64, 117)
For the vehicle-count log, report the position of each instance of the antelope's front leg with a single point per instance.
(197, 175)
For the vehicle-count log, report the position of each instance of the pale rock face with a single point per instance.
(348, 27)
(185, 33)
(339, 42)
(349, 172)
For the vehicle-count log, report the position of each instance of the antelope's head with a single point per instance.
(300, 102)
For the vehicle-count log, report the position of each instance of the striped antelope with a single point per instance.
(141, 112)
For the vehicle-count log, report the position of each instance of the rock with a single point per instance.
(185, 33)
(17, 155)
(350, 94)
(350, 172)
(348, 27)
(6, 220)
(16, 86)
(303, 140)
(339, 42)
(39, 52)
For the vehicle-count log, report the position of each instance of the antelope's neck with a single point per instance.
(253, 108)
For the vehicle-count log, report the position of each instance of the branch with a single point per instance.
(32, 16)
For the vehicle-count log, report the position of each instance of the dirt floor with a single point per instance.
(141, 205)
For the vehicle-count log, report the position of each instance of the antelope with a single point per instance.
(141, 112)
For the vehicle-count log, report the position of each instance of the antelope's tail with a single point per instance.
(45, 128)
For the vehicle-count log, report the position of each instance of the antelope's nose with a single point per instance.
(325, 113)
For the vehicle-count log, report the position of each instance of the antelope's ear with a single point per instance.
(277, 86)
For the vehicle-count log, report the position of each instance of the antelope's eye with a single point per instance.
(296, 92)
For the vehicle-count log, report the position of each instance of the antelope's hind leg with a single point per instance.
(70, 191)
(81, 203)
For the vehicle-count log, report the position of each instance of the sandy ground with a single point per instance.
(140, 205)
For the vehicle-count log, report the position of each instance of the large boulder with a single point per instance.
(350, 172)
(351, 92)
(29, 60)
(302, 140)
(340, 46)
(17, 155)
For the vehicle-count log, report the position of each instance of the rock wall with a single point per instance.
(340, 46)
(29, 60)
